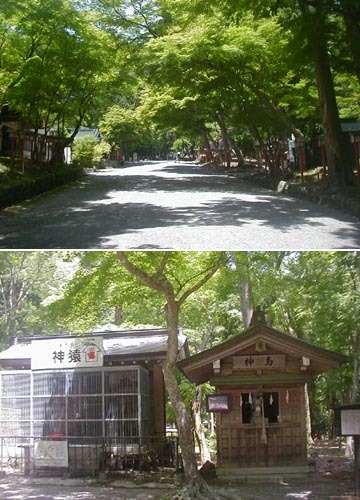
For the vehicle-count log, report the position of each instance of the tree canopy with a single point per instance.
(297, 291)
(232, 76)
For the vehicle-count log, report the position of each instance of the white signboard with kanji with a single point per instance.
(67, 353)
(51, 454)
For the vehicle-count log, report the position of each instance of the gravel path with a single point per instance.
(332, 480)
(173, 206)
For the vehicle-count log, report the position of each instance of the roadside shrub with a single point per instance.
(87, 151)
(15, 187)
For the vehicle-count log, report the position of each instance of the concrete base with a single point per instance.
(255, 474)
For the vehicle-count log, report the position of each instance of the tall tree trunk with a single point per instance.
(356, 376)
(229, 144)
(246, 300)
(263, 150)
(244, 285)
(307, 415)
(353, 35)
(224, 137)
(206, 144)
(340, 170)
(350, 10)
(198, 426)
(196, 487)
(196, 405)
(194, 481)
(118, 315)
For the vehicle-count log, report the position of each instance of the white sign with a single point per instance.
(77, 352)
(350, 422)
(51, 454)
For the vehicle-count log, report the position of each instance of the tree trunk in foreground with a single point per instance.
(340, 170)
(196, 404)
(245, 289)
(182, 418)
(307, 415)
(351, 19)
(198, 427)
(195, 486)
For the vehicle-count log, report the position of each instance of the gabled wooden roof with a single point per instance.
(199, 368)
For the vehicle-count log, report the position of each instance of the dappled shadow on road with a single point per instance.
(92, 212)
(60, 489)
(16, 492)
(321, 483)
(178, 181)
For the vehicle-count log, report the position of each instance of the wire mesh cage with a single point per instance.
(108, 402)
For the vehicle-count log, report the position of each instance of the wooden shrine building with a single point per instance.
(259, 401)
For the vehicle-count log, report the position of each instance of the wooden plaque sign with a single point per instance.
(256, 362)
(350, 422)
(218, 402)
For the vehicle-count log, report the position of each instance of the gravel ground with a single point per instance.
(331, 478)
(174, 206)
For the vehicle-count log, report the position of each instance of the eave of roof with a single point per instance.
(278, 339)
(126, 345)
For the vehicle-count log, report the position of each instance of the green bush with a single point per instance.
(87, 151)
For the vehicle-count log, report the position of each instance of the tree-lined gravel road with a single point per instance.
(177, 206)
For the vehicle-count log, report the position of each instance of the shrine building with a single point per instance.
(259, 400)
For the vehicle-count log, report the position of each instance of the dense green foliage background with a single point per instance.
(314, 296)
(164, 73)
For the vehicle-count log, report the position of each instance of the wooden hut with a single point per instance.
(259, 400)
